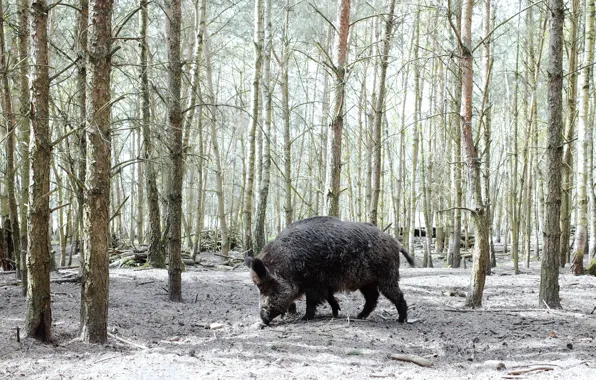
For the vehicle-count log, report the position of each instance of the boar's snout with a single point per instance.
(266, 320)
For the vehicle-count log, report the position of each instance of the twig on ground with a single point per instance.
(146, 283)
(133, 344)
(412, 359)
(528, 370)
(545, 304)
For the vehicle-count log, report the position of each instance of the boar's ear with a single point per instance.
(258, 266)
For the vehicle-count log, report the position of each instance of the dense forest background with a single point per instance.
(224, 121)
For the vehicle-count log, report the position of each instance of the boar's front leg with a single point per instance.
(371, 296)
(333, 303)
(313, 298)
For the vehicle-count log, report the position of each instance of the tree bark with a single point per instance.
(156, 253)
(584, 132)
(379, 109)
(252, 129)
(479, 213)
(11, 130)
(261, 212)
(38, 323)
(567, 168)
(549, 274)
(95, 290)
(176, 156)
(334, 139)
(24, 126)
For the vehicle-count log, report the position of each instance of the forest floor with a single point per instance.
(215, 333)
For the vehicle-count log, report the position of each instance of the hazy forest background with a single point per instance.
(176, 127)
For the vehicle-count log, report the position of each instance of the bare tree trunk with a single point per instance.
(95, 290)
(219, 178)
(549, 274)
(11, 130)
(24, 107)
(379, 109)
(155, 254)
(567, 174)
(486, 122)
(584, 132)
(81, 41)
(288, 209)
(415, 135)
(337, 122)
(38, 323)
(175, 131)
(260, 238)
(479, 211)
(252, 130)
(454, 256)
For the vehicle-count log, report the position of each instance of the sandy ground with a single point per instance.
(214, 334)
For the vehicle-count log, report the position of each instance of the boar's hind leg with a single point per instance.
(371, 296)
(394, 294)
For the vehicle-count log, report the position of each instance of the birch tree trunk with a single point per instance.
(95, 290)
(38, 323)
(334, 140)
(584, 138)
(549, 274)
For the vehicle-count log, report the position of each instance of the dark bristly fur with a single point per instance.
(322, 255)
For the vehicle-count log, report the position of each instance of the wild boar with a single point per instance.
(322, 255)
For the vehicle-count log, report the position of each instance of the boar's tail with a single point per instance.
(407, 256)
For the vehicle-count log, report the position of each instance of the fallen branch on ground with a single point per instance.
(412, 359)
(528, 370)
(133, 344)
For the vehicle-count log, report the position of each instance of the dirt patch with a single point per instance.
(214, 334)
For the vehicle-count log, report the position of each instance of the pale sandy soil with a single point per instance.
(164, 340)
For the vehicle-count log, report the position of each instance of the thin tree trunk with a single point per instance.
(155, 253)
(567, 174)
(38, 323)
(337, 122)
(415, 135)
(11, 130)
(82, 21)
(219, 178)
(479, 211)
(24, 125)
(95, 290)
(584, 132)
(379, 109)
(287, 140)
(549, 274)
(252, 129)
(261, 212)
(176, 161)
